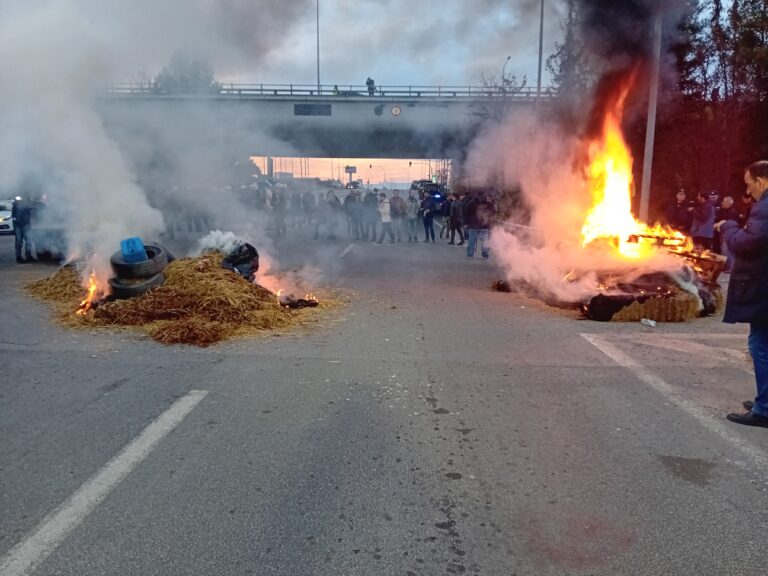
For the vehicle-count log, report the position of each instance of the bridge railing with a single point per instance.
(334, 91)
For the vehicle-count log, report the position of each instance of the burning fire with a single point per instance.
(95, 292)
(609, 177)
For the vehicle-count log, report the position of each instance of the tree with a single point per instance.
(185, 73)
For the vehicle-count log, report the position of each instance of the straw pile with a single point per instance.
(200, 303)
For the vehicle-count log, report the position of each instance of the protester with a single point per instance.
(678, 215)
(456, 219)
(398, 214)
(412, 209)
(702, 225)
(385, 212)
(279, 210)
(335, 213)
(478, 216)
(445, 215)
(370, 215)
(21, 214)
(428, 210)
(747, 299)
(308, 205)
(371, 86)
(726, 211)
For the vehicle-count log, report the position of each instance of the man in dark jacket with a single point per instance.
(747, 299)
(478, 216)
(677, 215)
(702, 226)
(456, 222)
(21, 212)
(428, 211)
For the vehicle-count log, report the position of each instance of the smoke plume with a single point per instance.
(545, 157)
(55, 55)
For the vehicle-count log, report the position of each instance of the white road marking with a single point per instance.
(54, 528)
(737, 358)
(346, 250)
(755, 455)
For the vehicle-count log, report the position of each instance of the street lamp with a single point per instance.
(541, 49)
(504, 74)
(317, 6)
(372, 166)
(428, 165)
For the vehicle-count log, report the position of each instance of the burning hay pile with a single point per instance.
(200, 303)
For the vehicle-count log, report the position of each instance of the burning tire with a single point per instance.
(126, 288)
(158, 259)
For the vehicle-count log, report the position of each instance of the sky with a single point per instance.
(400, 42)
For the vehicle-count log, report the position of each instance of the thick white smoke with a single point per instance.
(55, 55)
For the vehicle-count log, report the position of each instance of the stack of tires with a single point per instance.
(136, 278)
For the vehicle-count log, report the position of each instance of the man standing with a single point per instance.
(702, 227)
(747, 299)
(21, 212)
(478, 216)
(428, 209)
(677, 215)
(385, 211)
(398, 214)
(412, 207)
(456, 222)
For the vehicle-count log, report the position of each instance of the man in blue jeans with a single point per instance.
(748, 287)
(478, 216)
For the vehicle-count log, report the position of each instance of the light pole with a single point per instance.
(650, 133)
(541, 49)
(384, 171)
(317, 6)
(504, 74)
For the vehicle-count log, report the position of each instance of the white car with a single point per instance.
(6, 222)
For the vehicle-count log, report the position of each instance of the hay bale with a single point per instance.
(200, 303)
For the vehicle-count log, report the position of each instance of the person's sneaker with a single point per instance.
(460, 244)
(426, 240)
(749, 419)
(433, 241)
(451, 243)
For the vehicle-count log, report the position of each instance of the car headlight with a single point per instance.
(5, 219)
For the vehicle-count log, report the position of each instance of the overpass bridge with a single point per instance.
(328, 121)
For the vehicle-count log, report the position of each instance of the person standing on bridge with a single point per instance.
(747, 299)
(371, 86)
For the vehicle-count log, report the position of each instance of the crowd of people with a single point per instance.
(375, 216)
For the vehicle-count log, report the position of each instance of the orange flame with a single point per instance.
(93, 294)
(609, 176)
(311, 297)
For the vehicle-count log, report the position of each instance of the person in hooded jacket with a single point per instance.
(747, 299)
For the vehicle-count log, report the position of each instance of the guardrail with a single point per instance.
(334, 91)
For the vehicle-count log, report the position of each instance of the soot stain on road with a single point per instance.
(693, 470)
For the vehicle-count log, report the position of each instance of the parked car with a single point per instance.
(6, 222)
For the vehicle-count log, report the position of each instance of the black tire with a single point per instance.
(158, 260)
(122, 289)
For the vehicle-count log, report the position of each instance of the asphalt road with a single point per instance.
(431, 426)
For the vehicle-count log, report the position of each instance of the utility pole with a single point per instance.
(541, 50)
(650, 133)
(317, 5)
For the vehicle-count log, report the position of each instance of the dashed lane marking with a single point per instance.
(346, 251)
(54, 528)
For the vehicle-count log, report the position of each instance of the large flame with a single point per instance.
(610, 180)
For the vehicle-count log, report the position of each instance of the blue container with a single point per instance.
(133, 250)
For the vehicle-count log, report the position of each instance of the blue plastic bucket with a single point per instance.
(132, 250)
